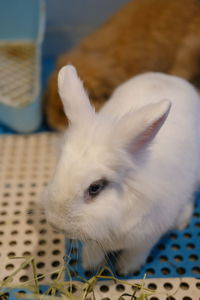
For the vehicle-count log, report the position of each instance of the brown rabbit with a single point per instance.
(144, 35)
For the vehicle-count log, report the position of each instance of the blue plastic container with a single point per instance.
(21, 35)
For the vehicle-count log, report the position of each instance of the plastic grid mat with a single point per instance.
(25, 166)
(171, 289)
(18, 72)
(26, 163)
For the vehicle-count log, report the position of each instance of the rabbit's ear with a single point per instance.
(75, 100)
(136, 130)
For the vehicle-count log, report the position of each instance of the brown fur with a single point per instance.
(144, 35)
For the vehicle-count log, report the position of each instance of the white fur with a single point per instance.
(149, 154)
(69, 85)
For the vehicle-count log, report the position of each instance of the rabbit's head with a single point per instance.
(90, 195)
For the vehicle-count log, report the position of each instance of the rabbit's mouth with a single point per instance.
(55, 228)
(76, 236)
(68, 234)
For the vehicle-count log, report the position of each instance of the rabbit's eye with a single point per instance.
(96, 187)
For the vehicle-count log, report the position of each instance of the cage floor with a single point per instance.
(18, 72)
(26, 163)
(159, 289)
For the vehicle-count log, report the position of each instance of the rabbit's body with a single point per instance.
(145, 163)
(177, 142)
(169, 178)
(179, 139)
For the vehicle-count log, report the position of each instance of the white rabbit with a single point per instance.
(127, 174)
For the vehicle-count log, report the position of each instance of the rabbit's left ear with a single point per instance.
(136, 130)
(75, 100)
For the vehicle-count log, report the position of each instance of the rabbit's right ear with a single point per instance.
(75, 100)
(136, 130)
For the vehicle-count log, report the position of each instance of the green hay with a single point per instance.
(85, 288)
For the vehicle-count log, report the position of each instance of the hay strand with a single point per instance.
(64, 289)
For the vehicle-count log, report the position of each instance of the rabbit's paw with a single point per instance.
(128, 262)
(185, 216)
(92, 256)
